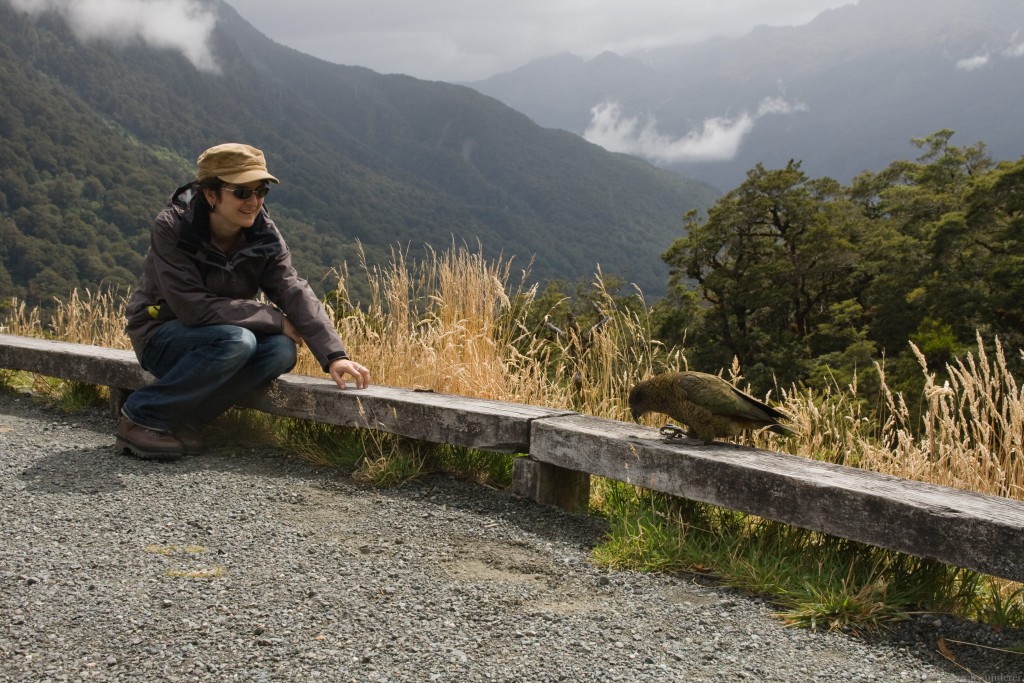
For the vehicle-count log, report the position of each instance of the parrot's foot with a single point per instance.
(673, 433)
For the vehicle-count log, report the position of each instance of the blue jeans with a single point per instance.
(202, 371)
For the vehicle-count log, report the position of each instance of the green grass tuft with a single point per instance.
(322, 444)
(816, 581)
(482, 467)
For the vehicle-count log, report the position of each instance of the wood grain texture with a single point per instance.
(963, 528)
(440, 418)
(966, 529)
(77, 362)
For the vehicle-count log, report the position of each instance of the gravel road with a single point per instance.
(253, 566)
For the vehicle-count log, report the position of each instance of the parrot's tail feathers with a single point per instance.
(784, 431)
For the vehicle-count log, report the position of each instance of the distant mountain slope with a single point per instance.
(95, 136)
(844, 93)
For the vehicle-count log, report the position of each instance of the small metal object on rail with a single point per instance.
(981, 532)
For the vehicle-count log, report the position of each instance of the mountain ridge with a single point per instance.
(383, 160)
(862, 80)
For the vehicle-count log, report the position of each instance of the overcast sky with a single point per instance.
(465, 40)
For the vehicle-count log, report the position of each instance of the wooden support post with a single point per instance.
(551, 485)
(116, 397)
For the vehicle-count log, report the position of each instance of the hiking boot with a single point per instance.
(191, 438)
(146, 443)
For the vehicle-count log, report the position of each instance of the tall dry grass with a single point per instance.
(448, 322)
(971, 432)
(22, 321)
(95, 318)
(456, 322)
(967, 437)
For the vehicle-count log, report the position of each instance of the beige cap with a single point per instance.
(233, 162)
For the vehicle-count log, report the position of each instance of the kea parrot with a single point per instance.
(708, 405)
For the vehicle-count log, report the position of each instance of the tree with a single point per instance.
(768, 263)
(921, 253)
(981, 246)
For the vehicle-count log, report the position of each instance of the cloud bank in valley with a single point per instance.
(182, 25)
(718, 139)
(1014, 49)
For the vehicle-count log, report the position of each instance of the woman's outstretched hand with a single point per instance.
(347, 366)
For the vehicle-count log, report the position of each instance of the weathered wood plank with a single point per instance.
(440, 418)
(67, 360)
(966, 529)
(984, 533)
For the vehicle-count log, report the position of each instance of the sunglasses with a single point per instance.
(246, 192)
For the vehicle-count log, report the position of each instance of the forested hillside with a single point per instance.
(95, 135)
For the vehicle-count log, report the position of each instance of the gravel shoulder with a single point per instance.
(253, 566)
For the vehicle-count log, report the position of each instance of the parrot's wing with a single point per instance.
(712, 393)
(721, 398)
(758, 410)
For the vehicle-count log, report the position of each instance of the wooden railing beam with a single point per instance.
(962, 528)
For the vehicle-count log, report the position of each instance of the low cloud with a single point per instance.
(1013, 50)
(718, 139)
(1016, 48)
(972, 63)
(182, 25)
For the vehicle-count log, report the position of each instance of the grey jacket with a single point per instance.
(186, 277)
